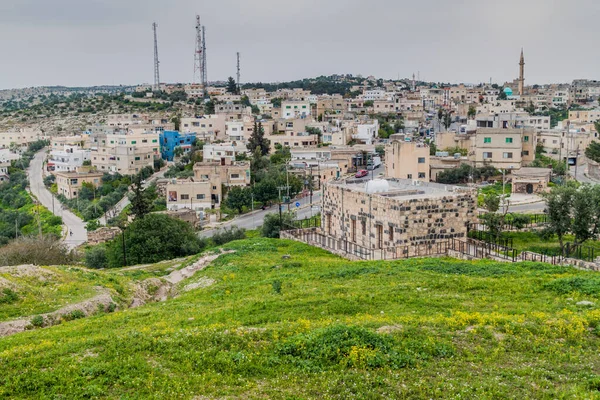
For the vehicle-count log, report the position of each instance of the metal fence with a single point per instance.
(482, 249)
(519, 221)
(488, 237)
(536, 257)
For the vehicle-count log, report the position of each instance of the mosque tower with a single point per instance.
(521, 74)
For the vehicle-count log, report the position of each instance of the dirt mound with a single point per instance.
(203, 282)
(151, 290)
(102, 300)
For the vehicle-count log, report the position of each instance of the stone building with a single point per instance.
(389, 213)
(531, 180)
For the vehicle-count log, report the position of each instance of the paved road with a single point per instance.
(71, 222)
(254, 220)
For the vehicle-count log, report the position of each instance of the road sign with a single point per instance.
(297, 204)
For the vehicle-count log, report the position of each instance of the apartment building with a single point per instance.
(584, 116)
(367, 132)
(170, 140)
(558, 143)
(301, 139)
(69, 183)
(229, 173)
(123, 152)
(20, 137)
(406, 159)
(384, 106)
(503, 148)
(330, 105)
(295, 109)
(223, 151)
(192, 195)
(4, 177)
(233, 111)
(69, 158)
(206, 127)
(79, 141)
(194, 90)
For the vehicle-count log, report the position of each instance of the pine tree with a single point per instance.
(257, 140)
(140, 203)
(232, 86)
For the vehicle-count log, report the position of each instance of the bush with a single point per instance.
(154, 238)
(272, 224)
(228, 235)
(39, 251)
(73, 315)
(277, 286)
(8, 296)
(37, 321)
(95, 257)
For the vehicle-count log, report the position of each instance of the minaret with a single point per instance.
(521, 74)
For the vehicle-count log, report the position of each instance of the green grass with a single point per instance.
(330, 328)
(531, 241)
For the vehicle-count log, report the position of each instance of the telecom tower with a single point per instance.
(156, 63)
(238, 72)
(200, 56)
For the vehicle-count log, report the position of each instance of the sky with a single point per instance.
(96, 42)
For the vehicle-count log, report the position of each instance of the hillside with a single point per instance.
(257, 324)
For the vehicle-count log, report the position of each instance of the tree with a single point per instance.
(472, 112)
(558, 206)
(502, 95)
(238, 198)
(232, 87)
(491, 202)
(530, 108)
(154, 238)
(176, 120)
(276, 102)
(141, 205)
(447, 121)
(178, 151)
(593, 150)
(273, 224)
(209, 107)
(258, 141)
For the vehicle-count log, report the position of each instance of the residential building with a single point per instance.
(123, 152)
(70, 158)
(232, 111)
(79, 141)
(20, 137)
(330, 106)
(170, 140)
(69, 183)
(503, 148)
(531, 180)
(223, 151)
(295, 109)
(192, 195)
(4, 165)
(367, 132)
(406, 159)
(584, 116)
(384, 106)
(229, 173)
(206, 127)
(302, 139)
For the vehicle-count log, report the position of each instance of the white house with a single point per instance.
(68, 159)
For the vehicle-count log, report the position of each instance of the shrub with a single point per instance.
(95, 257)
(34, 250)
(272, 224)
(8, 296)
(228, 235)
(277, 286)
(37, 321)
(75, 314)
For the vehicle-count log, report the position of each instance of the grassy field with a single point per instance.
(262, 325)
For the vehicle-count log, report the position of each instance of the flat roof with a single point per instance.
(403, 188)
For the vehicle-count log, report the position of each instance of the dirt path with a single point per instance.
(87, 307)
(177, 276)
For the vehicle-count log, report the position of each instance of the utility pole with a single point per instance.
(156, 62)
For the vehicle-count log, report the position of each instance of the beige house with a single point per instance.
(406, 160)
(438, 164)
(191, 195)
(20, 137)
(584, 116)
(227, 173)
(293, 141)
(389, 213)
(69, 183)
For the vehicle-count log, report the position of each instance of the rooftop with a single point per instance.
(401, 188)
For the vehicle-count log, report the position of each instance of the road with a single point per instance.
(71, 222)
(254, 220)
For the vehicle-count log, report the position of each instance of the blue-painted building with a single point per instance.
(170, 140)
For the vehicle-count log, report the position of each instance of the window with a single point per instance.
(145, 141)
(235, 176)
(353, 230)
(391, 233)
(421, 160)
(364, 227)
(185, 197)
(199, 197)
(487, 155)
(487, 140)
(525, 152)
(409, 176)
(137, 159)
(422, 175)
(133, 142)
(509, 140)
(526, 138)
(507, 155)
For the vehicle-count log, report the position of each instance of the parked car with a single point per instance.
(362, 173)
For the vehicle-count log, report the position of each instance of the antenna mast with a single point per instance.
(200, 56)
(156, 62)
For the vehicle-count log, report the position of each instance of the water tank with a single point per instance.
(457, 156)
(377, 186)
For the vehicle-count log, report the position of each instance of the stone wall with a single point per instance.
(102, 235)
(371, 219)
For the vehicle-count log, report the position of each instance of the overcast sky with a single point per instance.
(93, 42)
